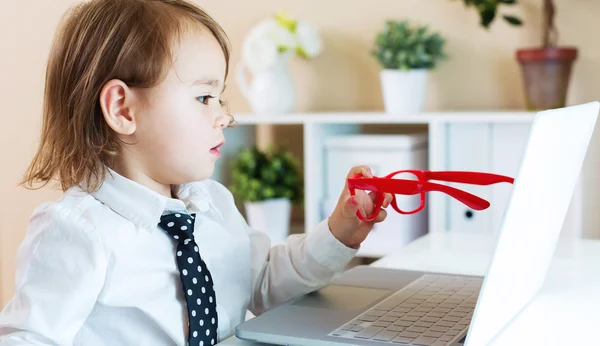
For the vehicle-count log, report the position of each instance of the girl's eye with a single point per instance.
(204, 99)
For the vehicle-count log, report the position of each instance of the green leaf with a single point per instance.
(487, 16)
(286, 21)
(254, 184)
(512, 20)
(488, 10)
(301, 53)
(273, 173)
(269, 192)
(403, 46)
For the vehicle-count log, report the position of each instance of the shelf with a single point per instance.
(384, 118)
(457, 140)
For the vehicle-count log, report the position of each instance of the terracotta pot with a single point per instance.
(546, 74)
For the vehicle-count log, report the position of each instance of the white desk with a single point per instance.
(565, 312)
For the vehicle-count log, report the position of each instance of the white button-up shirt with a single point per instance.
(95, 269)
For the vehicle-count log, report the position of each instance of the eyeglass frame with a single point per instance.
(421, 185)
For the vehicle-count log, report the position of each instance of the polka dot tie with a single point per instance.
(196, 279)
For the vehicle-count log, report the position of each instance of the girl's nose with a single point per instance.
(222, 120)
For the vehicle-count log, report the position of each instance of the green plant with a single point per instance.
(260, 175)
(488, 11)
(402, 46)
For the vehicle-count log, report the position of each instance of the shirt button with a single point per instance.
(203, 206)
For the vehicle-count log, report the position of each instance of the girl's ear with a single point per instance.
(116, 101)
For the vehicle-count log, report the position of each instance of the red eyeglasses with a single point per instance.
(421, 185)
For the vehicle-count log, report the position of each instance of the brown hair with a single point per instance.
(101, 40)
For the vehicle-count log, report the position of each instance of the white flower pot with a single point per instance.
(270, 216)
(404, 91)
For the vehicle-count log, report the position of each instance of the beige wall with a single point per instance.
(481, 74)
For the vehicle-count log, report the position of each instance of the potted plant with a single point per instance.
(268, 182)
(406, 53)
(546, 70)
(266, 53)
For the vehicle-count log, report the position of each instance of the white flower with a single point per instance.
(278, 34)
(261, 46)
(259, 52)
(273, 36)
(309, 39)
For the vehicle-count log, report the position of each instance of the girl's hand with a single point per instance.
(343, 222)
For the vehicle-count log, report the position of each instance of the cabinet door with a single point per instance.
(486, 147)
(508, 147)
(468, 149)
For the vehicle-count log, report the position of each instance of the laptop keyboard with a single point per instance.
(431, 311)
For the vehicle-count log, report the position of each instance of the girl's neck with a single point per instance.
(133, 173)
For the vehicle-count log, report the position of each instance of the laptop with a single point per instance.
(374, 306)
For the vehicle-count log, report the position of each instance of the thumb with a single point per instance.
(350, 206)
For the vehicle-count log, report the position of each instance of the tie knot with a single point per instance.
(179, 225)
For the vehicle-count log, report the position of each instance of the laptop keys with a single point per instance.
(437, 328)
(423, 324)
(392, 302)
(377, 313)
(416, 329)
(381, 324)
(388, 319)
(402, 340)
(385, 335)
(403, 323)
(368, 332)
(439, 343)
(367, 318)
(408, 334)
(396, 329)
(428, 312)
(348, 326)
(446, 338)
(424, 341)
(356, 329)
(432, 334)
(452, 332)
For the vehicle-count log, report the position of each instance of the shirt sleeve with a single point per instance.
(60, 272)
(304, 263)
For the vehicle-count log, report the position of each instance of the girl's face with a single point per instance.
(179, 123)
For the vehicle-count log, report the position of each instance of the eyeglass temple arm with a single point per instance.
(411, 187)
(476, 178)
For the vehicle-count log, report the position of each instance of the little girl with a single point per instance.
(143, 248)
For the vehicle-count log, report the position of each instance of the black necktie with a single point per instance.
(196, 279)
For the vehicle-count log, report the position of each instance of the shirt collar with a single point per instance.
(196, 194)
(143, 206)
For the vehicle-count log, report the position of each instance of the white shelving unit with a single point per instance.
(481, 141)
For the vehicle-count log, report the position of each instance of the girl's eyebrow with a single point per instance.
(210, 82)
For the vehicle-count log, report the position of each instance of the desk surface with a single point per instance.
(566, 311)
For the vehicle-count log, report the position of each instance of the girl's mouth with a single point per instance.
(215, 150)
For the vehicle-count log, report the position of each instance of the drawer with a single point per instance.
(382, 153)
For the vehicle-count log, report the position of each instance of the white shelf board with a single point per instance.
(251, 119)
(384, 118)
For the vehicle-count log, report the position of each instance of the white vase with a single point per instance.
(270, 90)
(271, 216)
(404, 91)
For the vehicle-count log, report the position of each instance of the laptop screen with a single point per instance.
(538, 205)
